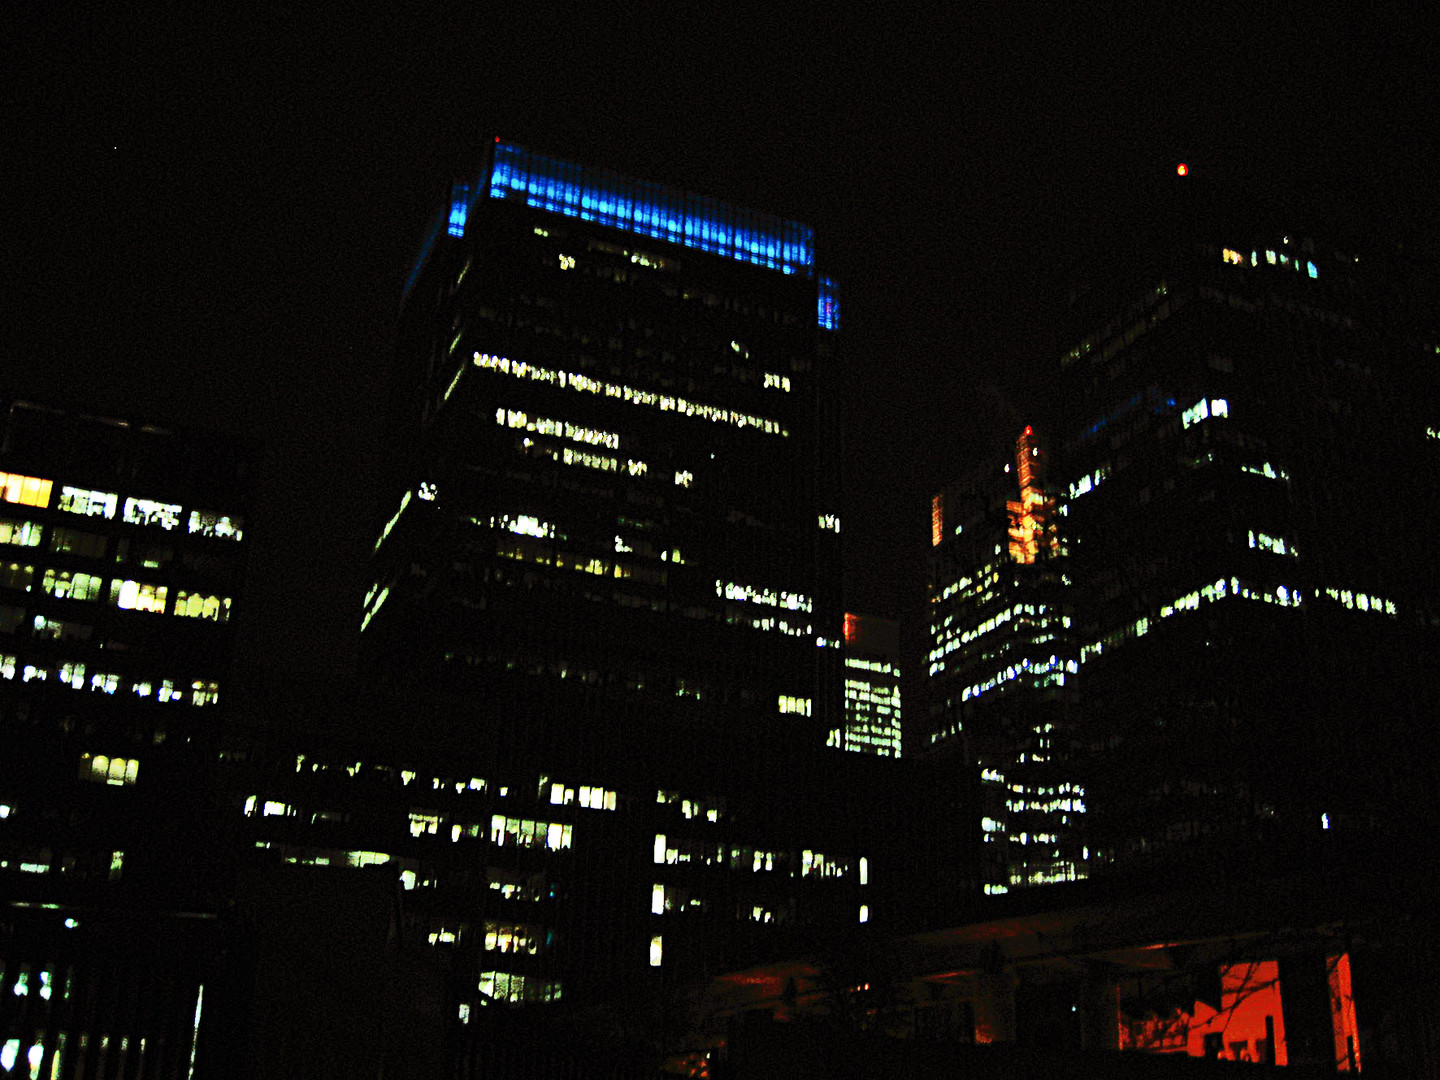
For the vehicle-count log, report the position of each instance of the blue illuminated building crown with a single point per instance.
(645, 208)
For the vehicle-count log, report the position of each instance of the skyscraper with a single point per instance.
(605, 606)
(1001, 654)
(872, 687)
(121, 557)
(1245, 461)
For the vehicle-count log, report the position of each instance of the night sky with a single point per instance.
(208, 218)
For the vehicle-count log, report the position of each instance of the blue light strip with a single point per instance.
(649, 209)
(829, 304)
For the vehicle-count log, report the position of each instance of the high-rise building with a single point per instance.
(1000, 657)
(1245, 461)
(872, 687)
(121, 558)
(605, 620)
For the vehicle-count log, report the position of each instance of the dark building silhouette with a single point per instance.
(601, 654)
(121, 555)
(1244, 449)
(1225, 632)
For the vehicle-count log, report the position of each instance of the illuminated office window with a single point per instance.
(88, 503)
(138, 595)
(19, 533)
(25, 490)
(151, 512)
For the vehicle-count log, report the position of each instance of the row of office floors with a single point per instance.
(331, 908)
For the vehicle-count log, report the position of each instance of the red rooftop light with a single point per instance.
(1182, 169)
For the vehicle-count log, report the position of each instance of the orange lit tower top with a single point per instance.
(1032, 516)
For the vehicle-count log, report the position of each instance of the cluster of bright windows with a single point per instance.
(1275, 544)
(20, 533)
(25, 490)
(1358, 601)
(684, 850)
(151, 512)
(880, 667)
(830, 522)
(115, 771)
(524, 525)
(521, 832)
(790, 704)
(71, 584)
(138, 595)
(559, 428)
(710, 807)
(1039, 673)
(200, 606)
(1271, 258)
(72, 673)
(1265, 469)
(1203, 410)
(787, 600)
(1089, 482)
(88, 503)
(570, 380)
(515, 989)
(772, 381)
(591, 797)
(508, 937)
(822, 865)
(213, 523)
(1281, 595)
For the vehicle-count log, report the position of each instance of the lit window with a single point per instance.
(20, 533)
(72, 585)
(25, 490)
(213, 523)
(657, 950)
(88, 503)
(117, 772)
(138, 595)
(150, 512)
(198, 606)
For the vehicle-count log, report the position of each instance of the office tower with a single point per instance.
(1245, 455)
(1001, 654)
(603, 635)
(872, 687)
(121, 556)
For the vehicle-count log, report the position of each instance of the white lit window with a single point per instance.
(138, 595)
(213, 523)
(150, 512)
(88, 503)
(657, 949)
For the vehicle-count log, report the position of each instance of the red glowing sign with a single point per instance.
(1182, 169)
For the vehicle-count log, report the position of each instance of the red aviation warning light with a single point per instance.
(1182, 169)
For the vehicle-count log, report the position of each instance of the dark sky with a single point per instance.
(208, 217)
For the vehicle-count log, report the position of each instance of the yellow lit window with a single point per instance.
(25, 490)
